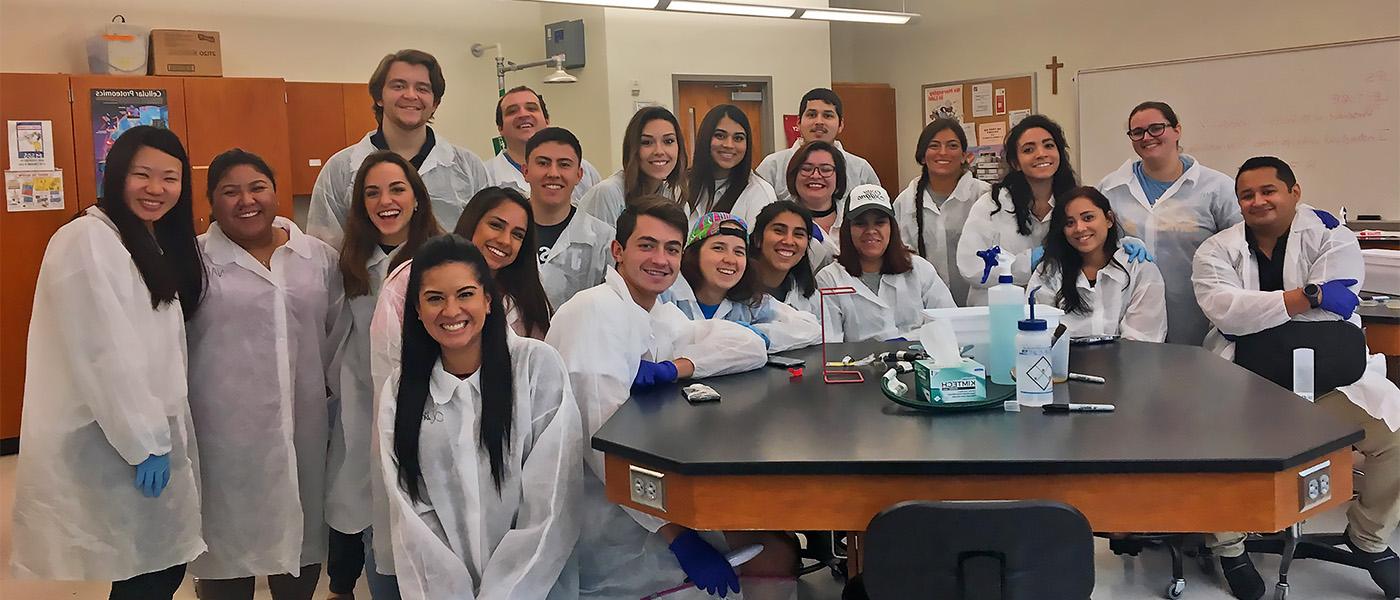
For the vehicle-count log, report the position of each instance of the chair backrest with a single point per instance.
(979, 551)
(1339, 353)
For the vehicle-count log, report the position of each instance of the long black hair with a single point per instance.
(702, 169)
(421, 353)
(1015, 181)
(932, 129)
(801, 273)
(521, 278)
(1063, 261)
(169, 261)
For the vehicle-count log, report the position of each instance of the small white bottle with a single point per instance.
(1303, 373)
(1035, 379)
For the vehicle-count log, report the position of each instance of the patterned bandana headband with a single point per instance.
(717, 223)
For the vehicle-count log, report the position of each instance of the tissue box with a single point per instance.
(955, 383)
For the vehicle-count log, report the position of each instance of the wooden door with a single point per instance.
(88, 143)
(228, 112)
(29, 96)
(696, 98)
(315, 130)
(870, 129)
(359, 112)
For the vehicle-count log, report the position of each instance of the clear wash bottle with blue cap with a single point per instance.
(1035, 380)
(1004, 302)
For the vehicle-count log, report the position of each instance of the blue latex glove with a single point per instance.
(989, 260)
(817, 233)
(766, 342)
(1137, 252)
(1037, 253)
(1338, 298)
(705, 566)
(1327, 219)
(655, 373)
(153, 474)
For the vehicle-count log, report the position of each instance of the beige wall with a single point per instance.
(962, 40)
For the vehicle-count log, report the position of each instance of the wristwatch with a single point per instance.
(1314, 295)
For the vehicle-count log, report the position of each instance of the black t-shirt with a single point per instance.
(388, 249)
(548, 235)
(1270, 269)
(379, 142)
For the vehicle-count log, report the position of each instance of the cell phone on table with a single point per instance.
(784, 362)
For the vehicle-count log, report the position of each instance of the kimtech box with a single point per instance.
(963, 381)
(186, 53)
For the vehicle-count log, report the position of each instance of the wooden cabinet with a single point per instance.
(224, 113)
(89, 144)
(323, 118)
(870, 129)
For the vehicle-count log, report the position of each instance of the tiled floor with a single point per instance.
(1141, 578)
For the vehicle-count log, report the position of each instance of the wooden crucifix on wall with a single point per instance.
(1055, 66)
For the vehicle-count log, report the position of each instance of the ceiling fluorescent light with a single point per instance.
(857, 16)
(724, 8)
(609, 3)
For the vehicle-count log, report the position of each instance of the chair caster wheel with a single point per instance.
(1176, 589)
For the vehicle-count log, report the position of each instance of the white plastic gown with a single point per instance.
(1226, 280)
(350, 462)
(984, 230)
(603, 334)
(501, 173)
(466, 539)
(578, 259)
(1198, 205)
(808, 304)
(943, 227)
(261, 347)
(774, 167)
(786, 327)
(607, 200)
(1127, 300)
(452, 175)
(895, 310)
(104, 389)
(756, 195)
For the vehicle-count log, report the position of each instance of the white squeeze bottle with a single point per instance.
(1034, 375)
(1004, 304)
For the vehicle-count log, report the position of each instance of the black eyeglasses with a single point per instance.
(1154, 130)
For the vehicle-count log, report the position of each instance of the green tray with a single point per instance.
(996, 395)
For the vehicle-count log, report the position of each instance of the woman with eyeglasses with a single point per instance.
(816, 177)
(1173, 203)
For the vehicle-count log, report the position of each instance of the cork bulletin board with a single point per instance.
(987, 107)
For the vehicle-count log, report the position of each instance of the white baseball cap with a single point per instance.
(865, 197)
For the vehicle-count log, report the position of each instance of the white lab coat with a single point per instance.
(104, 389)
(261, 347)
(1127, 300)
(756, 195)
(984, 230)
(603, 334)
(895, 310)
(1226, 281)
(607, 200)
(452, 175)
(501, 173)
(786, 327)
(943, 227)
(774, 169)
(350, 462)
(808, 304)
(467, 539)
(579, 258)
(1198, 205)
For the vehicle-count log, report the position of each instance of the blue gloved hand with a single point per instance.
(989, 260)
(1338, 298)
(153, 474)
(705, 566)
(766, 342)
(654, 373)
(1037, 253)
(817, 233)
(1137, 252)
(1327, 219)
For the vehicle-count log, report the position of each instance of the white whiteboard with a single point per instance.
(1332, 112)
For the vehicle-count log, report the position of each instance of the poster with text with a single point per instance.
(991, 133)
(981, 100)
(1016, 116)
(943, 102)
(790, 130)
(999, 99)
(31, 145)
(33, 190)
(116, 111)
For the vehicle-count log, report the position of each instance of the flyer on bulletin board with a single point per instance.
(1016, 116)
(943, 102)
(999, 100)
(116, 111)
(991, 133)
(31, 145)
(33, 190)
(981, 100)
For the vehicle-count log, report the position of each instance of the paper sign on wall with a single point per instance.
(991, 133)
(790, 130)
(981, 100)
(31, 145)
(943, 102)
(999, 100)
(1016, 116)
(970, 130)
(33, 190)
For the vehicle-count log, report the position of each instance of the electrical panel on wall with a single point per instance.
(565, 37)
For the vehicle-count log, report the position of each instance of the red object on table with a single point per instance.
(830, 375)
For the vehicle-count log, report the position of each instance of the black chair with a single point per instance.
(978, 551)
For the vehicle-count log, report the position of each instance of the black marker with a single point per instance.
(1078, 408)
